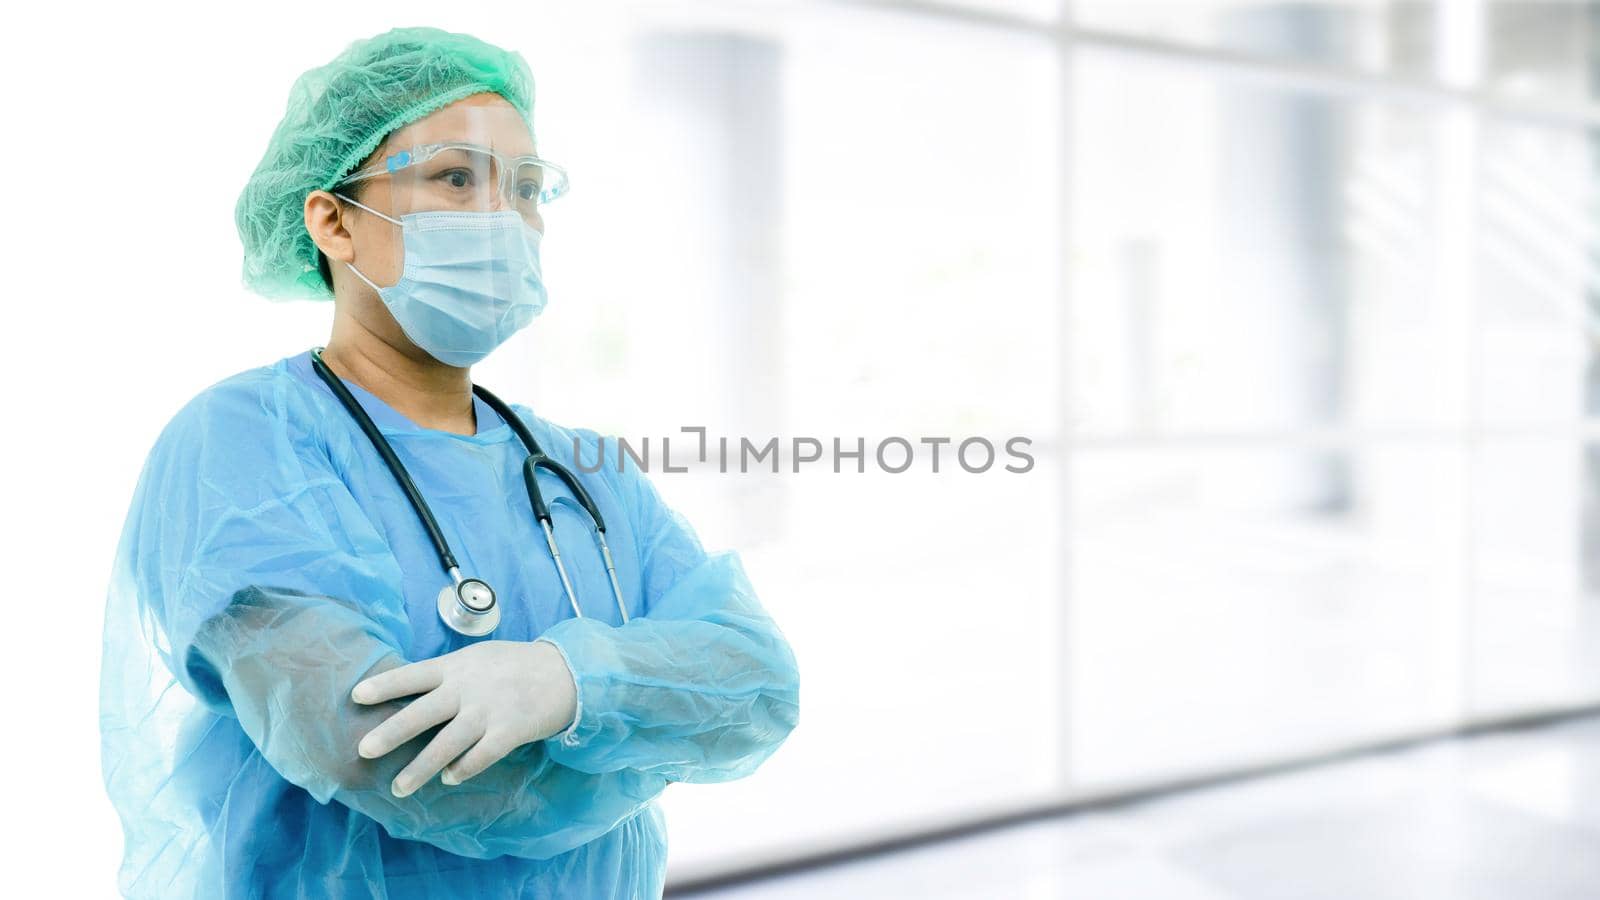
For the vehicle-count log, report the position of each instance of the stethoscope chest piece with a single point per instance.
(469, 607)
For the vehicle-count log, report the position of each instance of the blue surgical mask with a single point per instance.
(469, 281)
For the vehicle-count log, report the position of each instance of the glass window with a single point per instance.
(1537, 275)
(1252, 257)
(1543, 51)
(1389, 35)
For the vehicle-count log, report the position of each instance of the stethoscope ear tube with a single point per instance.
(577, 490)
(530, 477)
(538, 459)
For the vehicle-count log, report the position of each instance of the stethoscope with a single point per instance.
(467, 605)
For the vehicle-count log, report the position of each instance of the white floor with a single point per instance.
(1507, 815)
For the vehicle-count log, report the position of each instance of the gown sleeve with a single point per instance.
(703, 687)
(270, 595)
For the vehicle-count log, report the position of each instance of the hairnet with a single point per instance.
(337, 115)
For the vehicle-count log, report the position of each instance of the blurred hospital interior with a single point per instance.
(1296, 303)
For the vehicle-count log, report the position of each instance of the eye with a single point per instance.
(529, 190)
(457, 178)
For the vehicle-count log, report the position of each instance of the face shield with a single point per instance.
(471, 220)
(459, 176)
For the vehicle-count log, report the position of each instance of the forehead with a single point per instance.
(486, 119)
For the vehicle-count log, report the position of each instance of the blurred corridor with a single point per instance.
(1502, 816)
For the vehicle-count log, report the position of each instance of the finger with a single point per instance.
(488, 751)
(418, 716)
(405, 681)
(445, 746)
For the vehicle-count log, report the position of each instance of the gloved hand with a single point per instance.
(496, 695)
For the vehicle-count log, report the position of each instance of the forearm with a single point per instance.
(705, 689)
(288, 663)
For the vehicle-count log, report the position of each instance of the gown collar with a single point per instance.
(491, 428)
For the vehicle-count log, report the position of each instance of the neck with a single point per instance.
(414, 384)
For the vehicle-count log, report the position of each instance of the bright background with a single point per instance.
(1296, 301)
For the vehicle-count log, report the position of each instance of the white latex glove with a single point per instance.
(496, 695)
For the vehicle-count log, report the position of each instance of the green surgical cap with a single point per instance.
(337, 115)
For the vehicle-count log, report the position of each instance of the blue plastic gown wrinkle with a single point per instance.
(268, 562)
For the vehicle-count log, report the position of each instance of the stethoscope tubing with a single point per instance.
(537, 459)
(396, 468)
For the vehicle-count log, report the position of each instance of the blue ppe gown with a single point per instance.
(270, 561)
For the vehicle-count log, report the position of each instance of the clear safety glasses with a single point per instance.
(466, 177)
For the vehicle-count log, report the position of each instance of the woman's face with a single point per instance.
(349, 234)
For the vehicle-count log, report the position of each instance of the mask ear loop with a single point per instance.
(368, 209)
(351, 266)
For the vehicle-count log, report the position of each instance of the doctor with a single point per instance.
(304, 691)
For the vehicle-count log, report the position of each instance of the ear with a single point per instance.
(324, 216)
